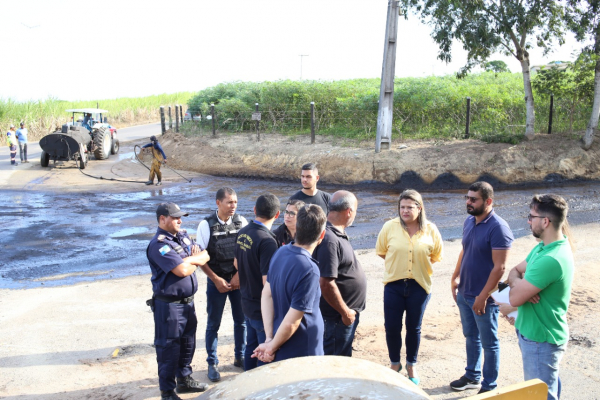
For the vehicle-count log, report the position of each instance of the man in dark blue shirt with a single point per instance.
(290, 299)
(173, 258)
(486, 242)
(254, 248)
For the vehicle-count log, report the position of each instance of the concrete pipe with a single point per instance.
(327, 377)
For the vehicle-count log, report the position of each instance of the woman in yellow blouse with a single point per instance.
(409, 244)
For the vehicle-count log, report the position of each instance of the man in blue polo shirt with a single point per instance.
(486, 242)
(255, 245)
(290, 299)
(173, 258)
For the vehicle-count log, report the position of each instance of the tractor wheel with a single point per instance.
(45, 159)
(114, 149)
(102, 142)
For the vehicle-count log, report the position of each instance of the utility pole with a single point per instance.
(301, 58)
(386, 92)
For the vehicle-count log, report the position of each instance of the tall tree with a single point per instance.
(584, 20)
(488, 26)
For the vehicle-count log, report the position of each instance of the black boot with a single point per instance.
(149, 183)
(169, 395)
(189, 384)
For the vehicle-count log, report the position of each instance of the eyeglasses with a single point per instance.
(530, 217)
(290, 213)
(472, 199)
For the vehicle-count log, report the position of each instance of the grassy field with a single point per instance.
(42, 117)
(424, 108)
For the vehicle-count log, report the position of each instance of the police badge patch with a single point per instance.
(164, 250)
(187, 241)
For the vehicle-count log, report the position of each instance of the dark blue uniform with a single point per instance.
(175, 321)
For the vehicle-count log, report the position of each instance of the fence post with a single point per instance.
(170, 120)
(162, 120)
(181, 114)
(551, 111)
(312, 122)
(176, 118)
(468, 117)
(212, 118)
(257, 123)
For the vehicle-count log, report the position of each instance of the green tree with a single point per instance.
(583, 18)
(488, 26)
(496, 66)
(575, 83)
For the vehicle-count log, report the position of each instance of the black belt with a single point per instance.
(167, 299)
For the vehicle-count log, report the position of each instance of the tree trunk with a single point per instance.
(530, 119)
(588, 138)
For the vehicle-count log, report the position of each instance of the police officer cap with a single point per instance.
(153, 138)
(170, 210)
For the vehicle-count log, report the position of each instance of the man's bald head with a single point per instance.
(342, 208)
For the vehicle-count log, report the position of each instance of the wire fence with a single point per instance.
(492, 124)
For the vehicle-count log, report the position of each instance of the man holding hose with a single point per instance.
(158, 157)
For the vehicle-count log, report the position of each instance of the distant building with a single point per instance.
(554, 64)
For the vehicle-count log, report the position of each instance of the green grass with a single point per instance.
(42, 117)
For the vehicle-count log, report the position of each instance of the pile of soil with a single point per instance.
(415, 163)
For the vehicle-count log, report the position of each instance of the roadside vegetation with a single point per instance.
(42, 117)
(424, 108)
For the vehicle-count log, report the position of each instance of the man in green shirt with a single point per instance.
(541, 289)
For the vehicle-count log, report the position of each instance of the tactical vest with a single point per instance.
(221, 246)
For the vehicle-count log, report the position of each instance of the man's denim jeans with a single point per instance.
(215, 303)
(480, 331)
(541, 360)
(255, 335)
(337, 337)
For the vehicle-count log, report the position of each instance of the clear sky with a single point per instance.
(83, 50)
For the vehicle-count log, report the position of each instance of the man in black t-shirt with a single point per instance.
(254, 248)
(343, 281)
(309, 193)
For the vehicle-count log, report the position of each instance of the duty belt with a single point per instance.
(167, 299)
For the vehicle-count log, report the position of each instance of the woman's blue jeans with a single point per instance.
(400, 297)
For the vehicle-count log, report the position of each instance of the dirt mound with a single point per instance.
(434, 164)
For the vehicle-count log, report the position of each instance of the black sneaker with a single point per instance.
(149, 183)
(189, 384)
(464, 383)
(482, 390)
(213, 373)
(168, 395)
(239, 362)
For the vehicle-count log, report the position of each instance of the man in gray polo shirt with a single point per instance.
(343, 281)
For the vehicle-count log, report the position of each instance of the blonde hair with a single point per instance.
(410, 194)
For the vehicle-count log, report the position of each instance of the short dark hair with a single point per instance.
(310, 223)
(309, 167)
(484, 189)
(296, 203)
(224, 192)
(552, 206)
(267, 206)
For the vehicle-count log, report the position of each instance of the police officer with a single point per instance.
(217, 233)
(173, 258)
(158, 157)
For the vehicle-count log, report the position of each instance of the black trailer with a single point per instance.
(71, 143)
